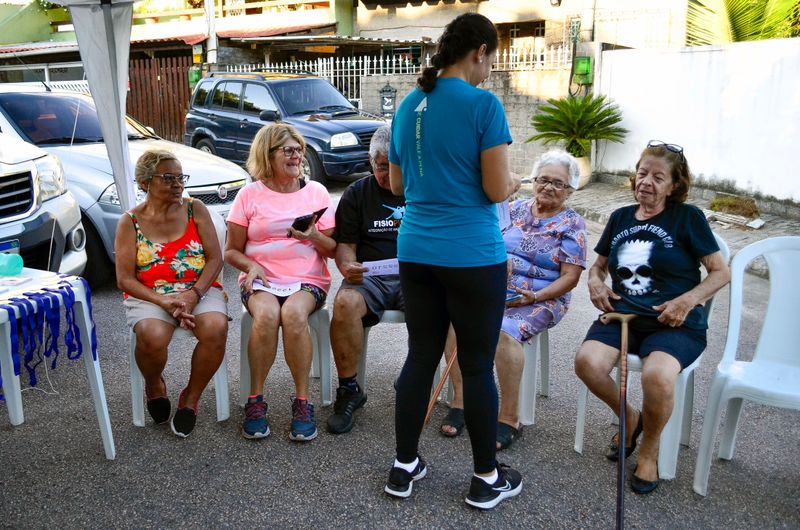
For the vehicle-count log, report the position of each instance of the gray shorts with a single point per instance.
(136, 309)
(380, 293)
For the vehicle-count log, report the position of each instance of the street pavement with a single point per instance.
(53, 472)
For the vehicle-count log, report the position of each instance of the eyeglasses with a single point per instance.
(675, 148)
(171, 178)
(290, 151)
(642, 270)
(557, 184)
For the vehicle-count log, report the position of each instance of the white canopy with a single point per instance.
(103, 30)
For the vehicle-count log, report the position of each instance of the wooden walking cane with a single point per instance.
(439, 387)
(623, 408)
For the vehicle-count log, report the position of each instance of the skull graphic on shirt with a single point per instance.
(633, 267)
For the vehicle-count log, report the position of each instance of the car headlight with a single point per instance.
(347, 139)
(110, 195)
(51, 177)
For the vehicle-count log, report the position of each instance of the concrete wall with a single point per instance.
(23, 23)
(520, 92)
(625, 22)
(734, 108)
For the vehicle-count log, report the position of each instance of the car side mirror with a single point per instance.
(152, 131)
(270, 115)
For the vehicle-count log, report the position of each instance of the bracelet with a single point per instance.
(535, 297)
(200, 295)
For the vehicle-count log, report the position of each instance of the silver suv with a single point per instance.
(39, 218)
(65, 124)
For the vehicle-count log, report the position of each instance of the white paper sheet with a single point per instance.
(382, 267)
(503, 215)
(278, 289)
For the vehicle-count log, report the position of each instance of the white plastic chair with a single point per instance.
(220, 377)
(772, 377)
(535, 351)
(678, 429)
(390, 316)
(319, 323)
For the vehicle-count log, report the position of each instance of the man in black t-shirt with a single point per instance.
(367, 220)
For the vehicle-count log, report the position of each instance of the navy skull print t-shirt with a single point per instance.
(654, 261)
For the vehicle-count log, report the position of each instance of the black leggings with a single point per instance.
(473, 299)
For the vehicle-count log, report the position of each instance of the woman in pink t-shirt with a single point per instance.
(284, 273)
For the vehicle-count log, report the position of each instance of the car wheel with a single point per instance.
(99, 270)
(204, 144)
(312, 167)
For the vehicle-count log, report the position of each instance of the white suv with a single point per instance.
(39, 218)
(65, 124)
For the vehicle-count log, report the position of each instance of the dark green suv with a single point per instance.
(228, 109)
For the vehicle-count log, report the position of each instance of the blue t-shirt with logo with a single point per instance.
(437, 139)
(656, 260)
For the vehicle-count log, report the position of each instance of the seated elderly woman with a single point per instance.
(168, 259)
(546, 245)
(653, 250)
(284, 275)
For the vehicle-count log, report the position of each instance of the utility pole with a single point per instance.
(211, 42)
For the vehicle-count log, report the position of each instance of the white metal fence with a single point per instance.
(345, 73)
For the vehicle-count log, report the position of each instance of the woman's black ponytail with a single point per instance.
(462, 35)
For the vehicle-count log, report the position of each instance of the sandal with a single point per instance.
(506, 434)
(159, 407)
(642, 486)
(613, 448)
(454, 419)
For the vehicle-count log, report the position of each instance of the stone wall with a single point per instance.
(232, 55)
(521, 92)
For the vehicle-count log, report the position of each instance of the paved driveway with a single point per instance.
(53, 472)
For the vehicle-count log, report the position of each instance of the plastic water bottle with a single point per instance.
(10, 264)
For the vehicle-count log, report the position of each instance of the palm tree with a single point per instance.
(578, 121)
(724, 21)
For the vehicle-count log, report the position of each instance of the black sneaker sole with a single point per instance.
(404, 494)
(487, 503)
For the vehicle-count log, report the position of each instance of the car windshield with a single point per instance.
(47, 118)
(307, 96)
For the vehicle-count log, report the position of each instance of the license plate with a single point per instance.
(11, 246)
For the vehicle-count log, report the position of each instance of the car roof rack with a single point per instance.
(264, 73)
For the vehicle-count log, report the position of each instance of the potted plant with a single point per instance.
(576, 121)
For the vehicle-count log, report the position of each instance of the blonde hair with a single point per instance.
(147, 164)
(267, 140)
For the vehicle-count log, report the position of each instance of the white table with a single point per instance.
(11, 384)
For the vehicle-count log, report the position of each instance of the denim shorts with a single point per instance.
(647, 334)
(380, 293)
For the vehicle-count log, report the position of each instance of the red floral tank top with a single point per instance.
(170, 267)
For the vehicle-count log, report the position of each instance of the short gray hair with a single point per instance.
(558, 157)
(379, 145)
(147, 164)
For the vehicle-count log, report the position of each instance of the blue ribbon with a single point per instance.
(47, 312)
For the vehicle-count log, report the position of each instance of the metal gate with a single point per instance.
(159, 94)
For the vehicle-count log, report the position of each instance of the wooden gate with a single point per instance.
(159, 94)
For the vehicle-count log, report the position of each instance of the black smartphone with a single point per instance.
(302, 223)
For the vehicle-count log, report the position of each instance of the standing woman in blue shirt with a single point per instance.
(449, 157)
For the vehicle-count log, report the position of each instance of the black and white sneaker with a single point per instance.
(486, 496)
(401, 481)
